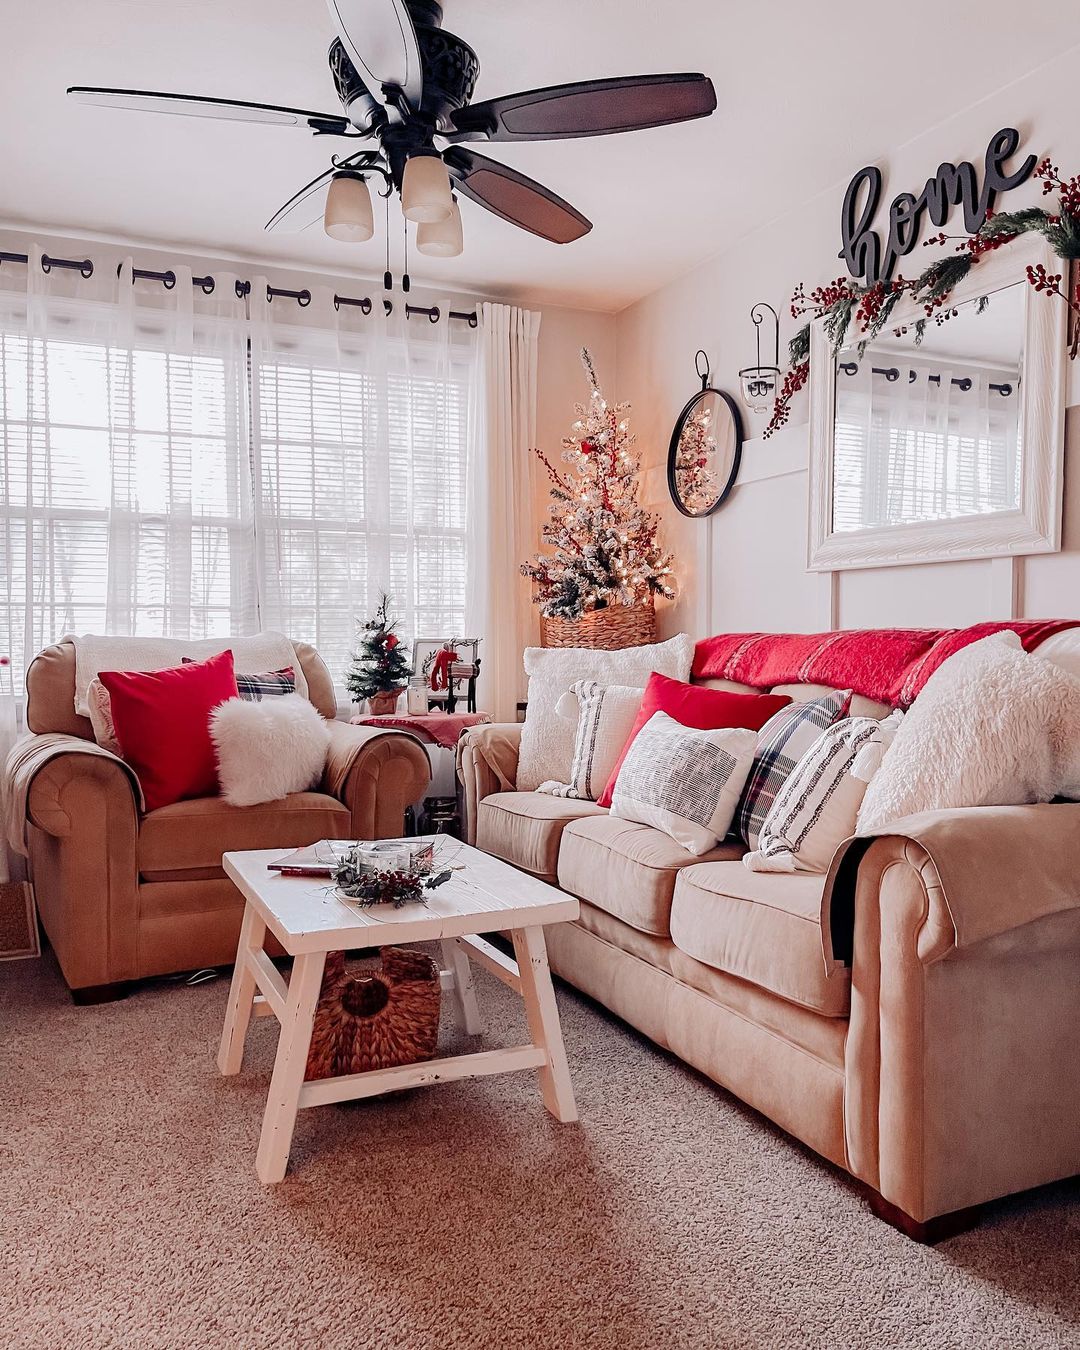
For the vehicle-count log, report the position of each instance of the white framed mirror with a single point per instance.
(951, 447)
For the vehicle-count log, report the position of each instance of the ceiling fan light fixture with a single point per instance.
(348, 216)
(443, 239)
(425, 190)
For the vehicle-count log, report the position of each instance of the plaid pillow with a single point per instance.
(781, 743)
(254, 688)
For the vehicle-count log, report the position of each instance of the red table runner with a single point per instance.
(441, 728)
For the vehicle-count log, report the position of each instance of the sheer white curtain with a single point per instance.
(500, 496)
(362, 428)
(124, 501)
(938, 441)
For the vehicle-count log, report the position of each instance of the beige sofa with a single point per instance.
(914, 1017)
(125, 894)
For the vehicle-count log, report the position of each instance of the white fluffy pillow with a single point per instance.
(604, 715)
(547, 741)
(816, 809)
(994, 726)
(684, 781)
(267, 750)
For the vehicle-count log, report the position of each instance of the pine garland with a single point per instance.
(870, 308)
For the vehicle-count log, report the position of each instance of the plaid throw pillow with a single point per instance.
(781, 743)
(254, 688)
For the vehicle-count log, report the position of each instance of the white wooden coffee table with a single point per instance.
(309, 920)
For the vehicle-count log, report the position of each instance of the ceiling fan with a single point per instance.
(405, 84)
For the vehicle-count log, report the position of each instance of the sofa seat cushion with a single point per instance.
(187, 839)
(526, 828)
(763, 927)
(627, 869)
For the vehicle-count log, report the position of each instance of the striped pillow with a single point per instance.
(816, 809)
(781, 743)
(605, 716)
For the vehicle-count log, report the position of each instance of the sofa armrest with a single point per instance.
(377, 774)
(487, 760)
(965, 1007)
(985, 869)
(82, 813)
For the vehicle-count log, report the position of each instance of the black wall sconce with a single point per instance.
(759, 383)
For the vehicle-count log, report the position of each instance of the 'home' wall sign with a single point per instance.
(952, 185)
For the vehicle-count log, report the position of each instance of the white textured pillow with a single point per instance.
(99, 706)
(816, 809)
(547, 741)
(994, 726)
(267, 750)
(604, 715)
(684, 781)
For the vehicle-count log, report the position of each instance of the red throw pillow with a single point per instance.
(162, 723)
(705, 709)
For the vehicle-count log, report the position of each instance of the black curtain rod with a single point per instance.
(892, 374)
(206, 284)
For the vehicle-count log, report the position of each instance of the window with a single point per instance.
(169, 476)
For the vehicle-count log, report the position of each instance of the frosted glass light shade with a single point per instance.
(425, 190)
(348, 210)
(443, 239)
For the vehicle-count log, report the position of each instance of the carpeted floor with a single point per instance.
(457, 1216)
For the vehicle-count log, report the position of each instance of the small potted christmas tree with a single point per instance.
(380, 670)
(597, 586)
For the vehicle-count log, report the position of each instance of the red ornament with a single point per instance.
(587, 447)
(392, 641)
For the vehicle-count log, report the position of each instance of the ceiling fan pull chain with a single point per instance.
(405, 282)
(388, 279)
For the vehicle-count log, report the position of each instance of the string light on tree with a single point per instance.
(605, 549)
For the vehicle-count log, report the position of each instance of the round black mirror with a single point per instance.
(703, 457)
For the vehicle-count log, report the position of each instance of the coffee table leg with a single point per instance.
(288, 1078)
(241, 994)
(543, 1016)
(459, 965)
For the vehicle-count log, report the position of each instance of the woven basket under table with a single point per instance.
(375, 1019)
(608, 629)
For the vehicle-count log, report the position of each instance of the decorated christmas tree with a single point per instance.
(605, 546)
(379, 667)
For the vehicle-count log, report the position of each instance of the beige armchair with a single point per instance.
(124, 894)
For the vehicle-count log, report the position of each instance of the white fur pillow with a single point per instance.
(547, 740)
(994, 726)
(267, 750)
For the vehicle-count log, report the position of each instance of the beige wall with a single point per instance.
(745, 567)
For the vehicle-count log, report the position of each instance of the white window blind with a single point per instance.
(124, 498)
(361, 455)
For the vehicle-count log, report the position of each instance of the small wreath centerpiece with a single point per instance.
(394, 872)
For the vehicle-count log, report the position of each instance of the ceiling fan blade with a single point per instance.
(514, 197)
(305, 209)
(190, 105)
(380, 39)
(589, 108)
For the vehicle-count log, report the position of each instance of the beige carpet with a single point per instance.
(459, 1215)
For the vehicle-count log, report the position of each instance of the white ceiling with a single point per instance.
(798, 112)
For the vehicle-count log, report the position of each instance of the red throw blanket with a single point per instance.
(889, 665)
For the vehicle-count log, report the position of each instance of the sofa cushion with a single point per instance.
(762, 927)
(525, 828)
(189, 837)
(627, 869)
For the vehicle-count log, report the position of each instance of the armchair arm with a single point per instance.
(965, 1006)
(487, 760)
(377, 774)
(81, 811)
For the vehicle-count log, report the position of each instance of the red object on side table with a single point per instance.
(440, 728)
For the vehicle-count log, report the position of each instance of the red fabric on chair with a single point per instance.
(704, 709)
(890, 665)
(162, 722)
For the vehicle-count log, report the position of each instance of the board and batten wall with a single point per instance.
(745, 567)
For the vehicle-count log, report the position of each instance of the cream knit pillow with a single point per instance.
(547, 740)
(604, 715)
